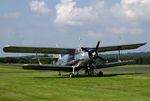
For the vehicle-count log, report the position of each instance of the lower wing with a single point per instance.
(48, 67)
(112, 64)
(42, 67)
(67, 68)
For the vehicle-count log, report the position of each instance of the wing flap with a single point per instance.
(46, 50)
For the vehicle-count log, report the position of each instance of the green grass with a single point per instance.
(22, 85)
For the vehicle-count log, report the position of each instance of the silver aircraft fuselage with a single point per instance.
(80, 58)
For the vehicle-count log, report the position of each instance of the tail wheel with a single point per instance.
(71, 75)
(100, 73)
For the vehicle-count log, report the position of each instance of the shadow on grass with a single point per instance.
(23, 72)
(116, 74)
(93, 76)
(14, 72)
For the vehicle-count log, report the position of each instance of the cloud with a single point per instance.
(105, 19)
(67, 13)
(133, 16)
(10, 15)
(95, 35)
(39, 7)
(136, 8)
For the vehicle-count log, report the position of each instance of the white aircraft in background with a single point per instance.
(73, 60)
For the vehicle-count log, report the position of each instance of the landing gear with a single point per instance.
(77, 74)
(92, 73)
(73, 71)
(89, 72)
(59, 74)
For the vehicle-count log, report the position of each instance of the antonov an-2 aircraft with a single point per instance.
(73, 60)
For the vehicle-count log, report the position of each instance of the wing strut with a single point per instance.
(73, 72)
(38, 59)
(119, 60)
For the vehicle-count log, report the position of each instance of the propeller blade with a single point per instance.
(91, 61)
(97, 45)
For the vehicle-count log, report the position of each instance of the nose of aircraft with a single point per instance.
(93, 53)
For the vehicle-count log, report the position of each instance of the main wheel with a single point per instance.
(71, 75)
(59, 74)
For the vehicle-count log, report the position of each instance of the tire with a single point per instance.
(71, 75)
(100, 73)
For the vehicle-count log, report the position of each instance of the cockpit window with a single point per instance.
(67, 58)
(78, 50)
(81, 55)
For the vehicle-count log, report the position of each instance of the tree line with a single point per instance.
(140, 57)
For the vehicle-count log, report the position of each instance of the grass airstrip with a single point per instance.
(17, 84)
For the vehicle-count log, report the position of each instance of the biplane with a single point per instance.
(73, 60)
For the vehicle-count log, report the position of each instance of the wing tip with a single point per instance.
(142, 44)
(5, 48)
(145, 43)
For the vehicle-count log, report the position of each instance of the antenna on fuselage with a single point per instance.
(56, 45)
(119, 51)
(120, 38)
(80, 42)
(80, 45)
(59, 55)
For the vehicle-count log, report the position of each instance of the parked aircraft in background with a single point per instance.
(73, 60)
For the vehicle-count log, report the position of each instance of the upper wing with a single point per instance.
(46, 50)
(117, 47)
(120, 47)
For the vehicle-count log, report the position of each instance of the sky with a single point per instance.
(69, 23)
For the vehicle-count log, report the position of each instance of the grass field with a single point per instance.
(17, 84)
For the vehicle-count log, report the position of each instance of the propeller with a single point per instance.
(93, 54)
